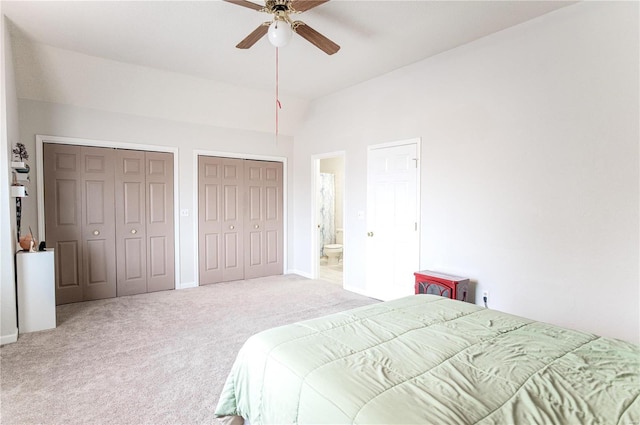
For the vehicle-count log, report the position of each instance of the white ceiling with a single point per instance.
(198, 38)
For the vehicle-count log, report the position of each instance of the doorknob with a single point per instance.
(257, 226)
(96, 232)
(370, 234)
(232, 227)
(134, 231)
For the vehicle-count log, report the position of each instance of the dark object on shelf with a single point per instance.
(22, 170)
(42, 246)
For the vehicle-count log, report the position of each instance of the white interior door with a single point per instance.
(392, 219)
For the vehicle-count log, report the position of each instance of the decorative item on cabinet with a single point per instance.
(28, 242)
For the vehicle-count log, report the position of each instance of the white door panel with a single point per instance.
(392, 204)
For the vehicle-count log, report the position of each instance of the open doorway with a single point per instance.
(329, 231)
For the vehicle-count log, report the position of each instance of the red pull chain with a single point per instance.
(278, 104)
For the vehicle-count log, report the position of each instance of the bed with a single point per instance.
(426, 359)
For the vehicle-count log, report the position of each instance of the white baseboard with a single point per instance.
(300, 273)
(357, 290)
(9, 339)
(185, 285)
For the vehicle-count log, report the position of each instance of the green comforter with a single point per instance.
(427, 359)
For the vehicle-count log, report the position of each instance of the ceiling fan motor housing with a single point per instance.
(278, 34)
(278, 7)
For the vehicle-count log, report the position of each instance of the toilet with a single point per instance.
(333, 251)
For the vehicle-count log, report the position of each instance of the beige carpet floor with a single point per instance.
(158, 358)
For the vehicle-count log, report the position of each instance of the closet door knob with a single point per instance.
(134, 231)
(232, 227)
(257, 226)
(96, 232)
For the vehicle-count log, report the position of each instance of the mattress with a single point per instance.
(429, 359)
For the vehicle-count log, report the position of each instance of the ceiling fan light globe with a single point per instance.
(279, 33)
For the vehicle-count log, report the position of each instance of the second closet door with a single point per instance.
(239, 219)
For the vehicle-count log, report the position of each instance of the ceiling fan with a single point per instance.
(280, 28)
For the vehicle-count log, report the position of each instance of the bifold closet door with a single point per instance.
(144, 214)
(109, 216)
(79, 220)
(99, 232)
(264, 242)
(220, 219)
(239, 219)
(131, 212)
(63, 218)
(159, 226)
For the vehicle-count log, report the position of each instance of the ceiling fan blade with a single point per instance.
(315, 38)
(246, 3)
(304, 5)
(256, 35)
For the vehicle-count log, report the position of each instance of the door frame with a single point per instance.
(42, 139)
(315, 176)
(236, 155)
(418, 142)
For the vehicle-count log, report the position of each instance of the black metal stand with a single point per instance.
(18, 215)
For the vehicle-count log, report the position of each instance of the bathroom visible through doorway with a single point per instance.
(330, 247)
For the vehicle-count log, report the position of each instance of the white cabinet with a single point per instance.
(36, 290)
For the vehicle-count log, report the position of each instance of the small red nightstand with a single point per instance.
(445, 285)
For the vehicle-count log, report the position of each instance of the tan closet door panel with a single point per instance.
(160, 230)
(220, 219)
(63, 218)
(98, 230)
(131, 235)
(232, 219)
(263, 219)
(254, 242)
(273, 219)
(209, 220)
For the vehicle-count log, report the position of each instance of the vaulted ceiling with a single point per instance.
(198, 38)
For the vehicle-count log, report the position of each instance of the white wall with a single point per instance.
(530, 176)
(56, 75)
(46, 118)
(8, 137)
(67, 94)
